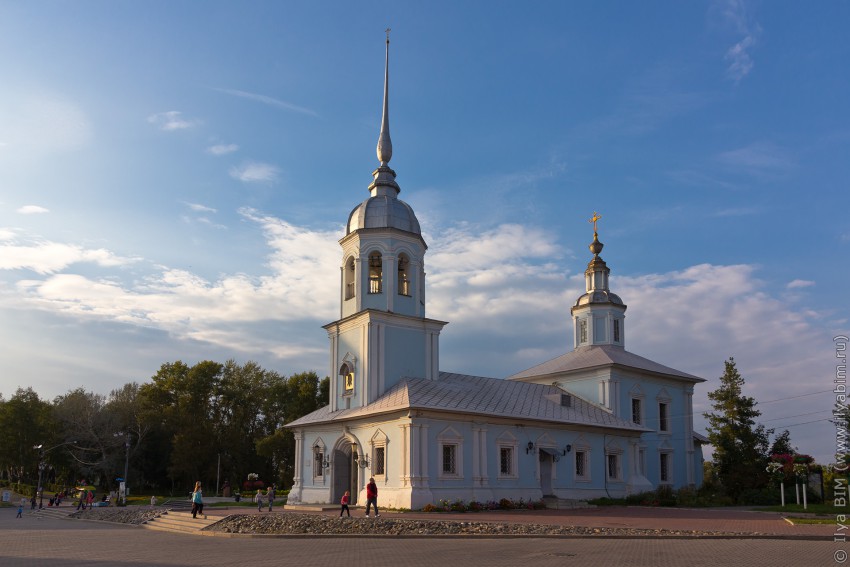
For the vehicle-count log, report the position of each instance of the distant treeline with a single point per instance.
(204, 422)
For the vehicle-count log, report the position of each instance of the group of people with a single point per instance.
(270, 494)
(371, 499)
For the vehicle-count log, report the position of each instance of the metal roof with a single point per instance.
(593, 356)
(477, 395)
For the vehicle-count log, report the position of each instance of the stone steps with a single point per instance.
(54, 512)
(179, 522)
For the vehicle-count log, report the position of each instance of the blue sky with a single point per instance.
(174, 177)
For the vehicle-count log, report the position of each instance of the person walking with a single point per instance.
(259, 499)
(197, 500)
(372, 497)
(344, 503)
(270, 496)
(20, 510)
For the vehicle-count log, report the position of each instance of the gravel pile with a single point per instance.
(119, 515)
(292, 523)
(289, 523)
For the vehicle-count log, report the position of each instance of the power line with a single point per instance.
(794, 397)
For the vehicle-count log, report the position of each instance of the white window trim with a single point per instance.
(588, 476)
(641, 410)
(378, 441)
(618, 477)
(318, 468)
(667, 430)
(450, 437)
(514, 472)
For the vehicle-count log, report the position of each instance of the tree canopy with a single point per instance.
(208, 422)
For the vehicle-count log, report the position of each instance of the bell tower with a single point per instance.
(382, 335)
(598, 315)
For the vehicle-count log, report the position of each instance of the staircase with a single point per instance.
(555, 503)
(53, 512)
(179, 522)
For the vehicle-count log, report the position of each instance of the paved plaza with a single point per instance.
(31, 542)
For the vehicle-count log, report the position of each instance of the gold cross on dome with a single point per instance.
(596, 216)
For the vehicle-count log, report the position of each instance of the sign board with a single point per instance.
(7, 496)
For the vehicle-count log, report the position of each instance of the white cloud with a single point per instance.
(200, 208)
(45, 257)
(222, 149)
(32, 210)
(737, 212)
(796, 284)
(171, 120)
(740, 61)
(268, 100)
(255, 172)
(506, 293)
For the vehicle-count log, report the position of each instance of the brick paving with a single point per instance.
(30, 542)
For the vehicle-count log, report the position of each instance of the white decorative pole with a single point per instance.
(782, 492)
(797, 489)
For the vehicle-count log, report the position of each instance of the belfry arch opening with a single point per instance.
(404, 275)
(349, 279)
(376, 273)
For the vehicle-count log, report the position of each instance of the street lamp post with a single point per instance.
(39, 489)
(126, 462)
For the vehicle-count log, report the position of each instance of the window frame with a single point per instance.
(586, 476)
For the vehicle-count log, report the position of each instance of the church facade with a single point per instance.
(596, 421)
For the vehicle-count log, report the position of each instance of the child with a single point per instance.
(20, 510)
(259, 499)
(344, 503)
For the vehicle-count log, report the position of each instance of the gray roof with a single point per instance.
(586, 357)
(700, 438)
(479, 396)
(383, 211)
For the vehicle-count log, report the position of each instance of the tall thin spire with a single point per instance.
(385, 145)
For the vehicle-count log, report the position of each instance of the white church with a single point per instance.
(596, 421)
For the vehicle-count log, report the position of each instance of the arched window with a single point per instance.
(349, 279)
(403, 275)
(347, 374)
(375, 272)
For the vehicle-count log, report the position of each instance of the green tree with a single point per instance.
(26, 421)
(740, 445)
(782, 445)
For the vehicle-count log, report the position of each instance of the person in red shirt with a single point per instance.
(372, 497)
(344, 502)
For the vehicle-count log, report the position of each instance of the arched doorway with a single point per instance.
(345, 471)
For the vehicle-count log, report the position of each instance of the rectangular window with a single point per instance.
(449, 459)
(613, 467)
(663, 420)
(319, 470)
(506, 458)
(581, 464)
(378, 466)
(616, 330)
(665, 467)
(636, 411)
(582, 326)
